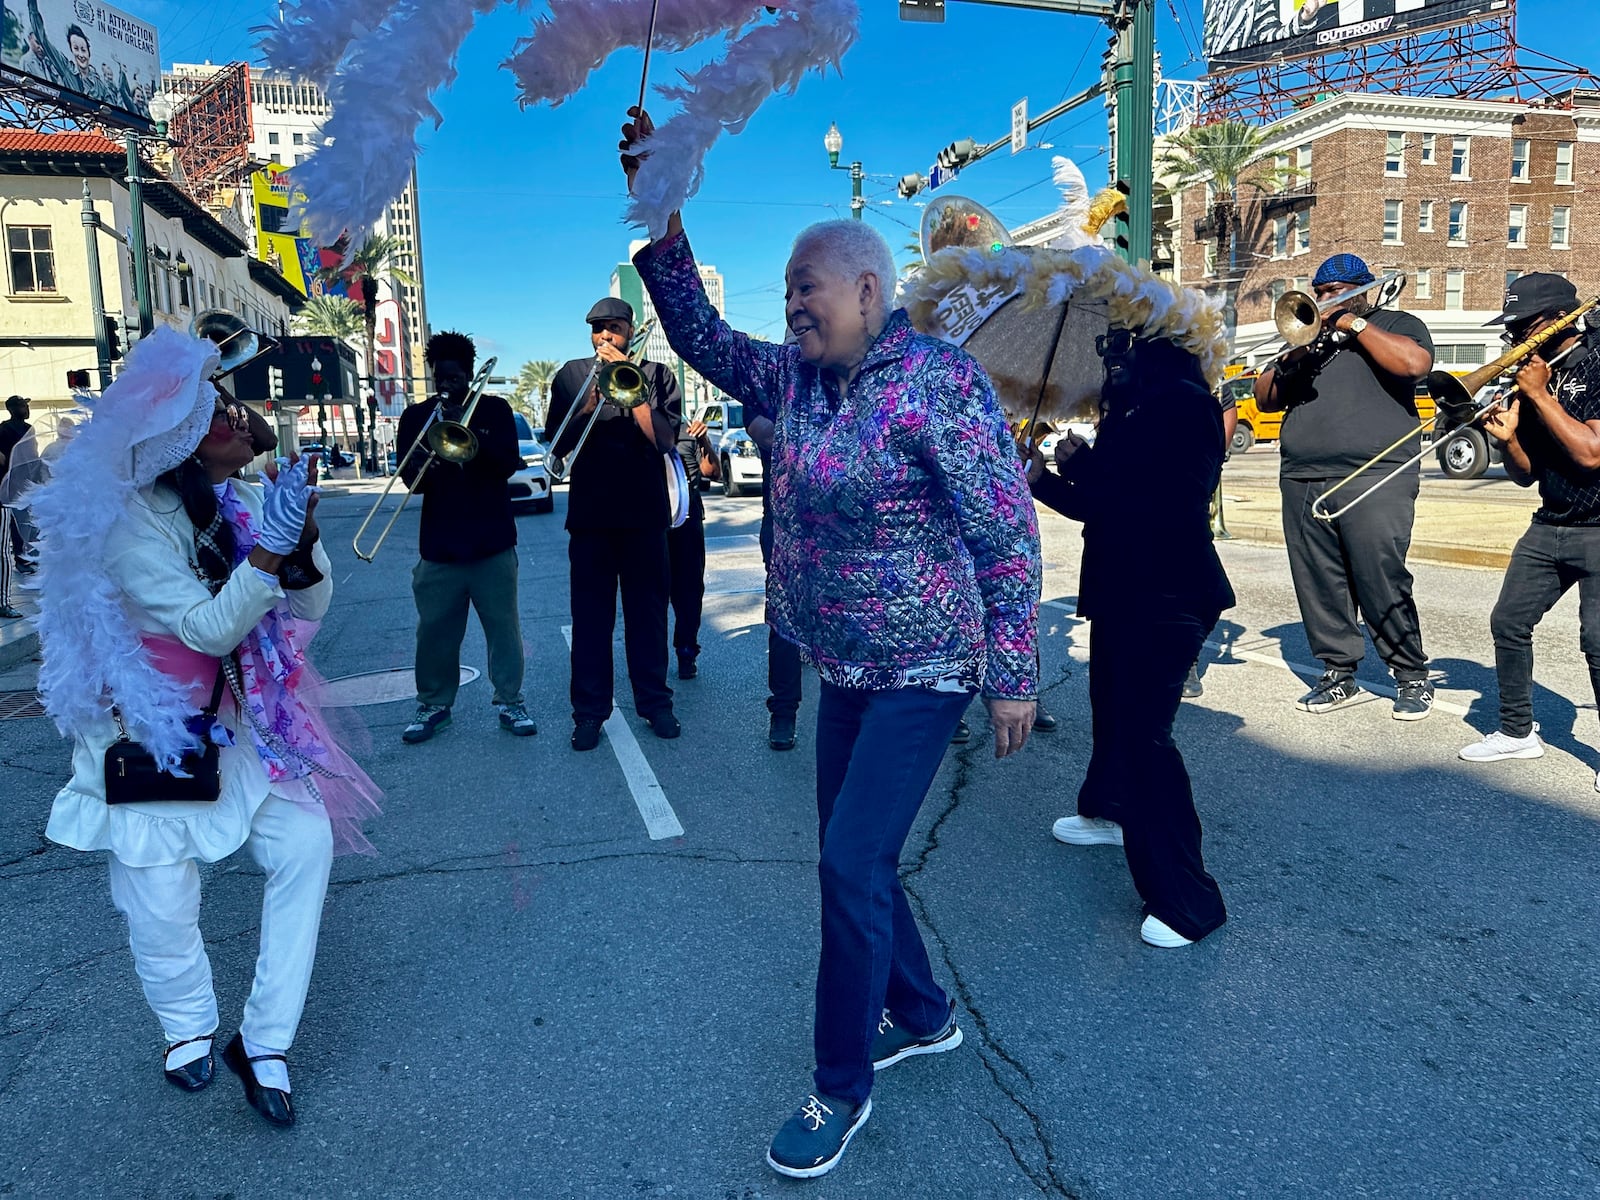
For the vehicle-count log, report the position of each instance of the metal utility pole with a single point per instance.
(1133, 105)
(97, 299)
(136, 243)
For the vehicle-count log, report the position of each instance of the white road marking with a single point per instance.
(1273, 660)
(648, 795)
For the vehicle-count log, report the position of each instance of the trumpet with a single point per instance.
(450, 440)
(1455, 400)
(619, 383)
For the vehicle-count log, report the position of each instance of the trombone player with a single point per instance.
(1549, 429)
(1347, 395)
(617, 520)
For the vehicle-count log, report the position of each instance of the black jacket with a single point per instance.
(618, 481)
(1143, 492)
(466, 510)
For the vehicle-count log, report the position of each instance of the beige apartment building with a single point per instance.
(1461, 195)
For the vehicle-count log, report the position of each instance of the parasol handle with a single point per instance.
(649, 42)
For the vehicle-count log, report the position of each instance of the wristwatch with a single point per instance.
(1357, 325)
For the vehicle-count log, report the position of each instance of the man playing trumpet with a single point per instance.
(1549, 431)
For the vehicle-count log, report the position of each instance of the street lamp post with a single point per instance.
(160, 113)
(833, 142)
(322, 405)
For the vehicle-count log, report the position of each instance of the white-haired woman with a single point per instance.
(173, 598)
(905, 566)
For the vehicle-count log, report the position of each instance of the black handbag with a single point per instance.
(134, 777)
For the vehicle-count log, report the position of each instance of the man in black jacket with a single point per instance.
(1151, 587)
(468, 545)
(686, 551)
(1348, 395)
(617, 520)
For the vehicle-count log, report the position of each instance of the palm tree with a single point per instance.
(379, 254)
(330, 316)
(534, 377)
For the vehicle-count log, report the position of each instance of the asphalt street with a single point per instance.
(525, 994)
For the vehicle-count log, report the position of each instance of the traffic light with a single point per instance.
(911, 184)
(113, 338)
(1119, 217)
(957, 154)
(78, 381)
(275, 385)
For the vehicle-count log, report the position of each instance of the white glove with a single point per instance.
(284, 504)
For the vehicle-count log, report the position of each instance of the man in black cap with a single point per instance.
(1347, 396)
(1549, 432)
(617, 519)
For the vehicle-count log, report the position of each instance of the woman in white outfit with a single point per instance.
(166, 580)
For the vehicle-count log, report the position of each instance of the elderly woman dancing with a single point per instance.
(166, 586)
(905, 566)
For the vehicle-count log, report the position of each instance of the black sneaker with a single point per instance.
(962, 735)
(780, 735)
(665, 725)
(812, 1141)
(1335, 688)
(1413, 700)
(429, 720)
(891, 1044)
(1193, 689)
(1044, 722)
(515, 718)
(586, 734)
(687, 669)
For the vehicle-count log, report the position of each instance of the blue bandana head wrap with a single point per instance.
(1342, 268)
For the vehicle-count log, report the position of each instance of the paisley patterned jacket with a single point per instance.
(906, 549)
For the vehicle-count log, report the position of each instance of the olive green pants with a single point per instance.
(443, 591)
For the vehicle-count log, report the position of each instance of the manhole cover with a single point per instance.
(16, 705)
(374, 687)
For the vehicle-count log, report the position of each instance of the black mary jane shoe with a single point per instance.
(192, 1076)
(271, 1103)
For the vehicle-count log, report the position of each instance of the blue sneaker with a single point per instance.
(893, 1044)
(812, 1141)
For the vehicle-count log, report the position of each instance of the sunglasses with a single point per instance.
(233, 414)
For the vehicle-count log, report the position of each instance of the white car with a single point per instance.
(742, 472)
(530, 486)
(1047, 444)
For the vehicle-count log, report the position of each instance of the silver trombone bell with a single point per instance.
(238, 342)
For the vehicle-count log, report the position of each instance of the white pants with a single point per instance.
(6, 517)
(294, 846)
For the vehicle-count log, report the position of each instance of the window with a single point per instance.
(1517, 234)
(1209, 263)
(1302, 231)
(1280, 237)
(1519, 160)
(1391, 222)
(1458, 356)
(1280, 172)
(1302, 283)
(1458, 222)
(1563, 162)
(272, 139)
(277, 158)
(1455, 283)
(1460, 162)
(1394, 154)
(1560, 228)
(1425, 216)
(1302, 161)
(1428, 141)
(1276, 289)
(33, 259)
(1422, 284)
(299, 139)
(1512, 277)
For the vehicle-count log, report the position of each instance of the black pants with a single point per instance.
(1356, 563)
(783, 658)
(1547, 561)
(602, 560)
(686, 547)
(1136, 776)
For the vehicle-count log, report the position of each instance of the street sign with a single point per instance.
(1019, 126)
(938, 175)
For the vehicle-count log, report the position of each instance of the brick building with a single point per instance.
(1463, 195)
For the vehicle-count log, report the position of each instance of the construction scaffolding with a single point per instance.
(210, 129)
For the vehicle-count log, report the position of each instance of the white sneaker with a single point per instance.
(1500, 745)
(1157, 932)
(1087, 831)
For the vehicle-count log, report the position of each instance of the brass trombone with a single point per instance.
(1455, 399)
(452, 441)
(619, 383)
(1297, 316)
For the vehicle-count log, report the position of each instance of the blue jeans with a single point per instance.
(872, 954)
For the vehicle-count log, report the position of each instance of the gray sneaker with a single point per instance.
(515, 718)
(429, 720)
(1333, 690)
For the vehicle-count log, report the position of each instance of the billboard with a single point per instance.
(294, 257)
(84, 52)
(1242, 33)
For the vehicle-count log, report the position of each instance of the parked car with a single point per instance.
(742, 472)
(1468, 452)
(530, 486)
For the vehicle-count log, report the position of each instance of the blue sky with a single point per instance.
(521, 210)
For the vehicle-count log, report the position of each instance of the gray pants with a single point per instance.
(443, 592)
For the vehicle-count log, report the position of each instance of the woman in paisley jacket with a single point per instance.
(905, 567)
